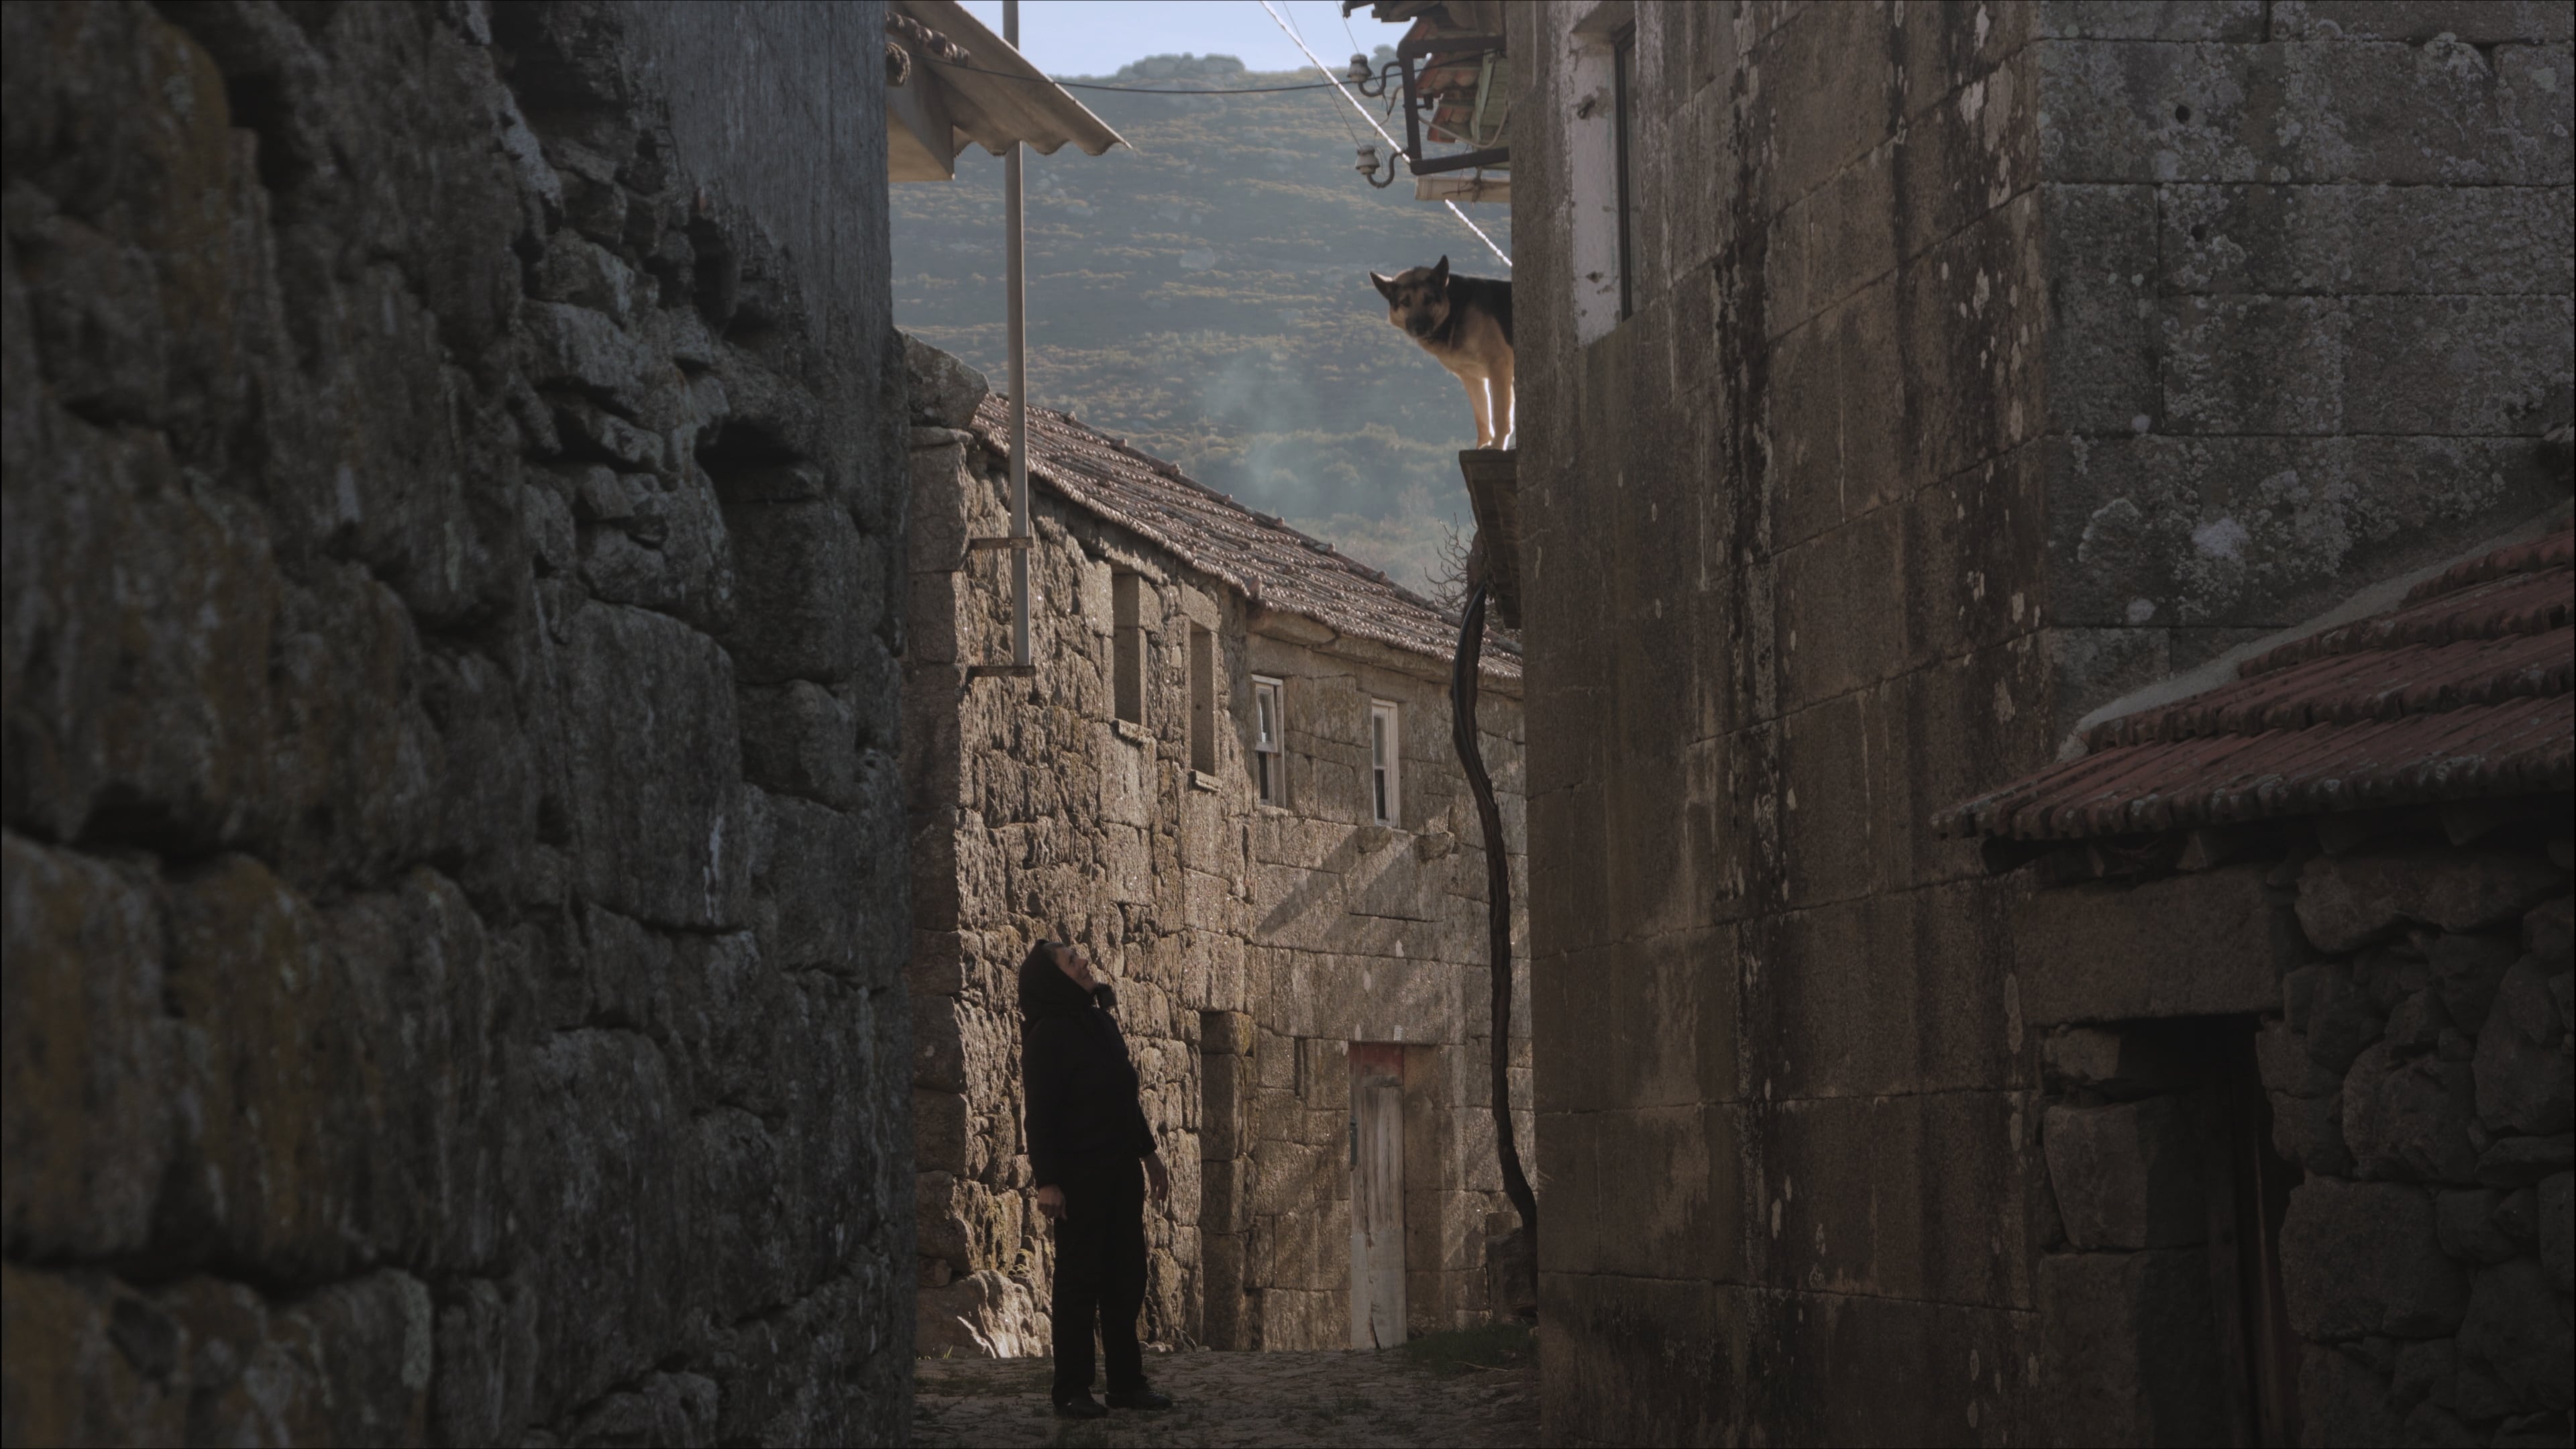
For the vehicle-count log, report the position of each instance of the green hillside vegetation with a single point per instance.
(1205, 295)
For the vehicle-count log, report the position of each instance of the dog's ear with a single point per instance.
(1440, 273)
(1385, 285)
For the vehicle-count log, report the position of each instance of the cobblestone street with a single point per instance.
(1238, 1399)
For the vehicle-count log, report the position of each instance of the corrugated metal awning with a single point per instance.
(993, 98)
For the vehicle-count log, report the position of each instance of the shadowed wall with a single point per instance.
(455, 891)
(1988, 361)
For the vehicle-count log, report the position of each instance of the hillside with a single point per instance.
(1206, 296)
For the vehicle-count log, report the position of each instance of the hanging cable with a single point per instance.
(1298, 35)
(1297, 32)
(1327, 73)
(1498, 900)
(1369, 165)
(1039, 80)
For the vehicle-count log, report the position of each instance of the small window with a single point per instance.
(1268, 764)
(1385, 770)
(1623, 100)
(1202, 700)
(1127, 646)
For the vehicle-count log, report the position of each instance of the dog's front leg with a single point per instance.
(1505, 406)
(1483, 408)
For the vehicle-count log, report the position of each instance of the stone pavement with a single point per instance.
(1237, 1400)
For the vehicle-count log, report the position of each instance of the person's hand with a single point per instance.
(1159, 1175)
(1051, 1202)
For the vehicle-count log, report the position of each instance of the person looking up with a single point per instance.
(1087, 1131)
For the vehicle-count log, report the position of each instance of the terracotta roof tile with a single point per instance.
(2519, 603)
(2557, 551)
(1254, 553)
(2462, 691)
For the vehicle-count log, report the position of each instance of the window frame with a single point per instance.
(1203, 671)
(1127, 647)
(1269, 725)
(1386, 763)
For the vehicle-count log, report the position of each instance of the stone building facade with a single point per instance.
(1301, 976)
(1946, 373)
(2300, 945)
(455, 922)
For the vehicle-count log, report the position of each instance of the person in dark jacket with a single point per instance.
(1086, 1133)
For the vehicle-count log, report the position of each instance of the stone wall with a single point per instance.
(1987, 361)
(2426, 1257)
(1249, 944)
(2394, 1028)
(2310, 271)
(455, 915)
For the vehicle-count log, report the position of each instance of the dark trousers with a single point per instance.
(1100, 1272)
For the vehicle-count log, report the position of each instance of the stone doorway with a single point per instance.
(2163, 1298)
(1377, 1195)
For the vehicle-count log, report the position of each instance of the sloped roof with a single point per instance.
(1255, 554)
(2461, 692)
(996, 96)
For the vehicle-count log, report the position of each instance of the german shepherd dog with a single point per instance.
(1466, 323)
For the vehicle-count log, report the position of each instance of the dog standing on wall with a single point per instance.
(1466, 323)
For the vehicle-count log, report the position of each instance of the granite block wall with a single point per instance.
(2425, 1257)
(1249, 943)
(1987, 362)
(454, 883)
(2312, 272)
(2395, 1062)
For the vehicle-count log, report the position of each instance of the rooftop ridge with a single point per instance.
(1257, 554)
(2555, 549)
(2500, 605)
(2466, 688)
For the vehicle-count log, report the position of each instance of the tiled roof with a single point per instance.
(1256, 554)
(2461, 692)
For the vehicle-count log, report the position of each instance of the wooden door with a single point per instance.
(1377, 1195)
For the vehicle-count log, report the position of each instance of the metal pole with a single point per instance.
(1015, 263)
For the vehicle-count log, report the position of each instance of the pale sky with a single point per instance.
(1095, 37)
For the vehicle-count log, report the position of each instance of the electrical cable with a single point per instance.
(1296, 31)
(1387, 110)
(1039, 80)
(1327, 72)
(1299, 37)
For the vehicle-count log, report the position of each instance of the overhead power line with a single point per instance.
(1039, 80)
(1327, 72)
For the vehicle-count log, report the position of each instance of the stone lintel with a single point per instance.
(2207, 944)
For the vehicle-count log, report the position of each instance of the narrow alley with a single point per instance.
(1088, 722)
(1248, 1401)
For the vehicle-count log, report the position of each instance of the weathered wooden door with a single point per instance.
(1377, 1195)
